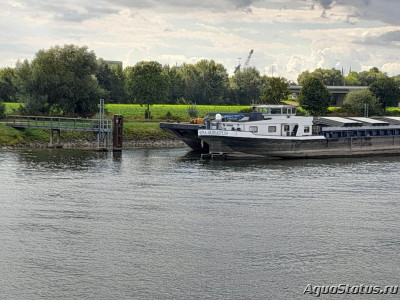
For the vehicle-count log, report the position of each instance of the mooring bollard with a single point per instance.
(117, 132)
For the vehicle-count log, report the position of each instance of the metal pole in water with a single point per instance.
(101, 123)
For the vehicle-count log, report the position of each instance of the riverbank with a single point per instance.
(129, 144)
(135, 135)
(137, 131)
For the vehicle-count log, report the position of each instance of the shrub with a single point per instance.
(168, 115)
(193, 112)
(355, 101)
(392, 111)
(2, 110)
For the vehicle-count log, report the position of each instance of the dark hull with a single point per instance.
(188, 134)
(279, 149)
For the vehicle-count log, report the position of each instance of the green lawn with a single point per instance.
(135, 112)
(162, 112)
(11, 108)
(11, 136)
(143, 131)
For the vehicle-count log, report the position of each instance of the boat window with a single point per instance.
(306, 129)
(253, 129)
(285, 111)
(271, 128)
(286, 128)
(276, 111)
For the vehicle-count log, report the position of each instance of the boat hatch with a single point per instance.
(336, 122)
(370, 121)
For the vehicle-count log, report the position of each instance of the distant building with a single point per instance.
(113, 63)
(338, 92)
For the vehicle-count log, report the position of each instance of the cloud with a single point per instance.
(350, 37)
(325, 3)
(391, 68)
(292, 35)
(327, 58)
(390, 38)
(375, 10)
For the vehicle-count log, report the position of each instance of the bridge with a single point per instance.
(338, 92)
(103, 127)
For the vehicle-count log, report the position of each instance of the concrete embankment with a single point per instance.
(84, 144)
(135, 135)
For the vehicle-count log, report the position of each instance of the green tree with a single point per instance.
(303, 76)
(8, 90)
(60, 80)
(352, 79)
(246, 86)
(2, 110)
(314, 96)
(386, 90)
(276, 91)
(355, 102)
(205, 82)
(146, 84)
(26, 91)
(111, 79)
(175, 84)
(327, 76)
(366, 78)
(397, 80)
(117, 88)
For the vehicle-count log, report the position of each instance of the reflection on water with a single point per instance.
(162, 224)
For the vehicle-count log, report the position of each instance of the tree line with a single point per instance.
(70, 80)
(381, 91)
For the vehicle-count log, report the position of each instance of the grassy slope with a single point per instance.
(11, 136)
(135, 112)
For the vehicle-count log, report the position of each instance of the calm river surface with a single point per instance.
(161, 224)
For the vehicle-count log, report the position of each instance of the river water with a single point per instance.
(162, 224)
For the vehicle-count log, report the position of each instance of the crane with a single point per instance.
(246, 64)
(237, 69)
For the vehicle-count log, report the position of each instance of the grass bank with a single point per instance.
(136, 128)
(11, 137)
(135, 112)
(133, 131)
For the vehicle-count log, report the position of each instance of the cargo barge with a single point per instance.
(275, 132)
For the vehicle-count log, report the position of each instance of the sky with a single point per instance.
(288, 36)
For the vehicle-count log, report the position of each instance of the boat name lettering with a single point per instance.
(213, 132)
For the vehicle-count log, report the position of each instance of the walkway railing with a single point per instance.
(58, 123)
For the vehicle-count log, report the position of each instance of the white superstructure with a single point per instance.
(278, 121)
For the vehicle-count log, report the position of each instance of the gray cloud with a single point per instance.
(386, 39)
(385, 11)
(325, 3)
(71, 11)
(76, 11)
(182, 4)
